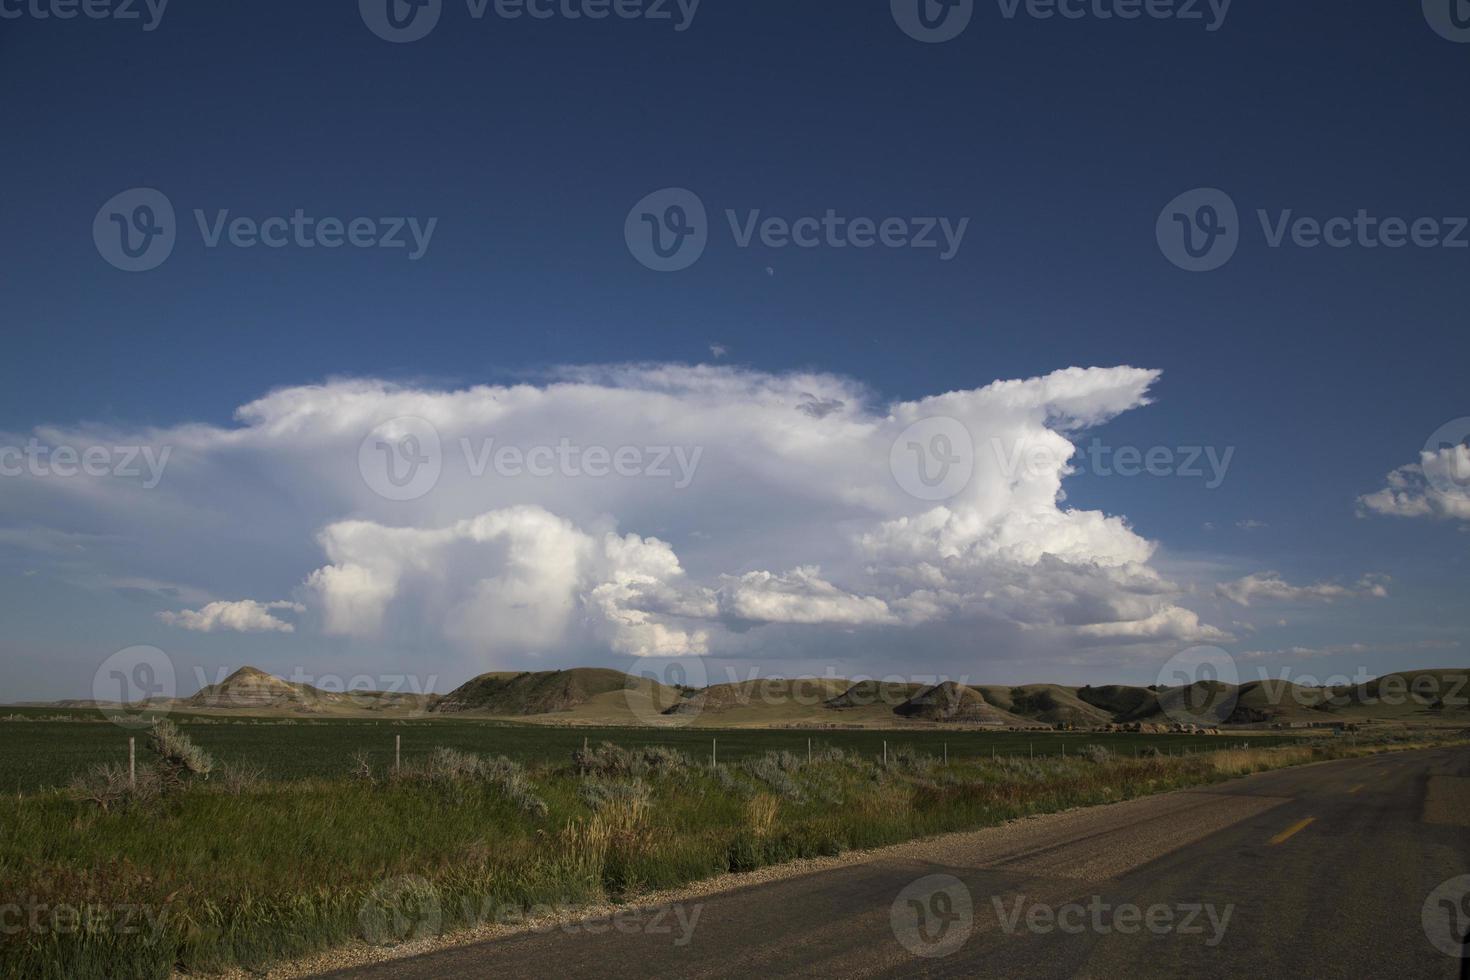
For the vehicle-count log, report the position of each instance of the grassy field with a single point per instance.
(231, 872)
(39, 754)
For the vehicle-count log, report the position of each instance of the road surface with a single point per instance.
(1320, 871)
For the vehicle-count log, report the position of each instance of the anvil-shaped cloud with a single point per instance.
(650, 510)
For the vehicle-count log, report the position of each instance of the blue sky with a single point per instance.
(1059, 140)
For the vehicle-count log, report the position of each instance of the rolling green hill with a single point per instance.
(598, 696)
(531, 693)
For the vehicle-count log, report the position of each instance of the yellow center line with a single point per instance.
(1355, 789)
(1295, 828)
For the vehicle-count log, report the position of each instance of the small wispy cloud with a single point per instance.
(1271, 586)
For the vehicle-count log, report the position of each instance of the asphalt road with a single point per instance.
(1321, 871)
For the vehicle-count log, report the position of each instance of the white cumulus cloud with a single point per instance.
(1438, 486)
(243, 616)
(676, 510)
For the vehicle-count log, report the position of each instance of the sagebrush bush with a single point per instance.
(108, 787)
(457, 773)
(236, 780)
(598, 793)
(614, 761)
(776, 770)
(730, 783)
(178, 757)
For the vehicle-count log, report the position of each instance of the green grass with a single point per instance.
(40, 754)
(286, 868)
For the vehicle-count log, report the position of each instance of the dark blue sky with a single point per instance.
(1060, 140)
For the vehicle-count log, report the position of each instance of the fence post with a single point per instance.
(1031, 747)
(714, 753)
(132, 763)
(397, 752)
(808, 751)
(885, 751)
(946, 753)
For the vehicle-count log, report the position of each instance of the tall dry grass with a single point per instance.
(283, 869)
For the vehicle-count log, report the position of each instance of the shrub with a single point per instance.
(457, 772)
(1097, 753)
(600, 793)
(236, 780)
(908, 758)
(109, 787)
(731, 783)
(775, 769)
(362, 767)
(178, 757)
(613, 761)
